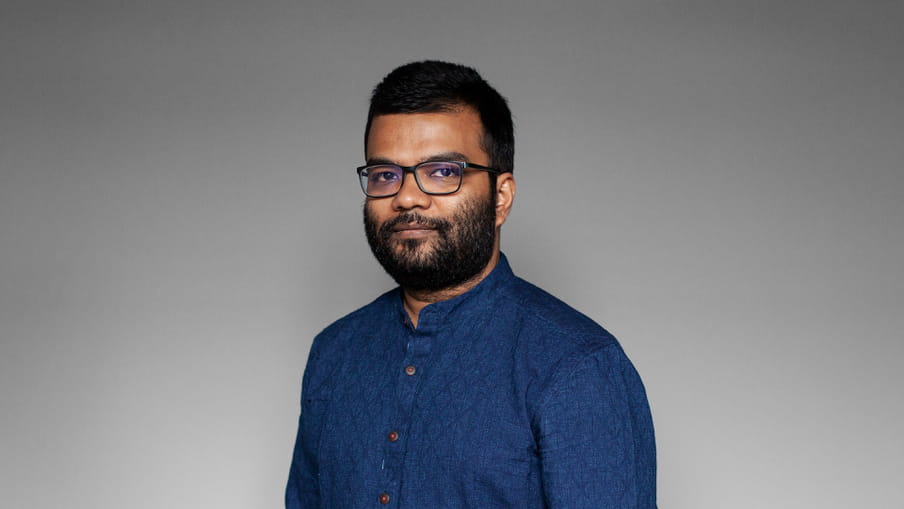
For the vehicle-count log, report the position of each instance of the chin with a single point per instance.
(413, 247)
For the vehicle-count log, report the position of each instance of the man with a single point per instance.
(466, 387)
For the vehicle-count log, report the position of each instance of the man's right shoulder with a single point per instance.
(361, 318)
(333, 345)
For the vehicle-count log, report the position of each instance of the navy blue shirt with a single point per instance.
(502, 397)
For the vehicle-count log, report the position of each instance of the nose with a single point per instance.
(410, 195)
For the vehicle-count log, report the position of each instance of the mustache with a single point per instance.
(441, 225)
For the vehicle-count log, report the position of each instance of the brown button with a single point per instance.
(393, 436)
(384, 498)
(410, 370)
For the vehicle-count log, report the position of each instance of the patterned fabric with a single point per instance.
(503, 397)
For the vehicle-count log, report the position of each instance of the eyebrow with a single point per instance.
(444, 156)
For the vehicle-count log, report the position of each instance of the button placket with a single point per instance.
(408, 379)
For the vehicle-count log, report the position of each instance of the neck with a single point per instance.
(415, 300)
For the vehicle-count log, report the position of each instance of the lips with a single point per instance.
(412, 231)
(411, 226)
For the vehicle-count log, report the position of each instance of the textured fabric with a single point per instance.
(503, 397)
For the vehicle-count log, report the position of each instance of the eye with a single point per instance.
(385, 176)
(443, 170)
(382, 175)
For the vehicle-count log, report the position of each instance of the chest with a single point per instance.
(443, 412)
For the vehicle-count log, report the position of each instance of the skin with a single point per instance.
(411, 138)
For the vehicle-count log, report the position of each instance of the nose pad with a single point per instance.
(410, 194)
(409, 180)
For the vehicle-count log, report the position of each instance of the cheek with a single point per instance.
(373, 212)
(371, 222)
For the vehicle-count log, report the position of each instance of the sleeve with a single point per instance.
(300, 490)
(303, 489)
(595, 436)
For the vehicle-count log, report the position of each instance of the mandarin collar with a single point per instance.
(438, 314)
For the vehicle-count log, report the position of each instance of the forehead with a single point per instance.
(408, 138)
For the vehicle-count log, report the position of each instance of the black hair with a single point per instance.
(432, 86)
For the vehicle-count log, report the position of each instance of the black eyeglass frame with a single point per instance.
(413, 170)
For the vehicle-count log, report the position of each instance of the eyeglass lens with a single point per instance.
(432, 177)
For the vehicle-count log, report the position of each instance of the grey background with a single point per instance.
(718, 183)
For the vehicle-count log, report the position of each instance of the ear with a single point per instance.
(505, 195)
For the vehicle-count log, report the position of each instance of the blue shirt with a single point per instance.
(502, 397)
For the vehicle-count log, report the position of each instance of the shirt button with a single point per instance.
(384, 498)
(393, 436)
(410, 369)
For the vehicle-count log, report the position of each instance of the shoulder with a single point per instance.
(345, 329)
(334, 343)
(543, 314)
(561, 344)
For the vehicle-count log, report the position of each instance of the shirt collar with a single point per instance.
(481, 297)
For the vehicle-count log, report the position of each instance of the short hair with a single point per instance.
(432, 86)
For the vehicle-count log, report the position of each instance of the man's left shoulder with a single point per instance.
(542, 313)
(562, 346)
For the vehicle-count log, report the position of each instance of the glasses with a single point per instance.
(432, 177)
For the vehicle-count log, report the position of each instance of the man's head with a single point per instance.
(434, 111)
(432, 86)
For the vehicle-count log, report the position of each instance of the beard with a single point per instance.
(461, 248)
